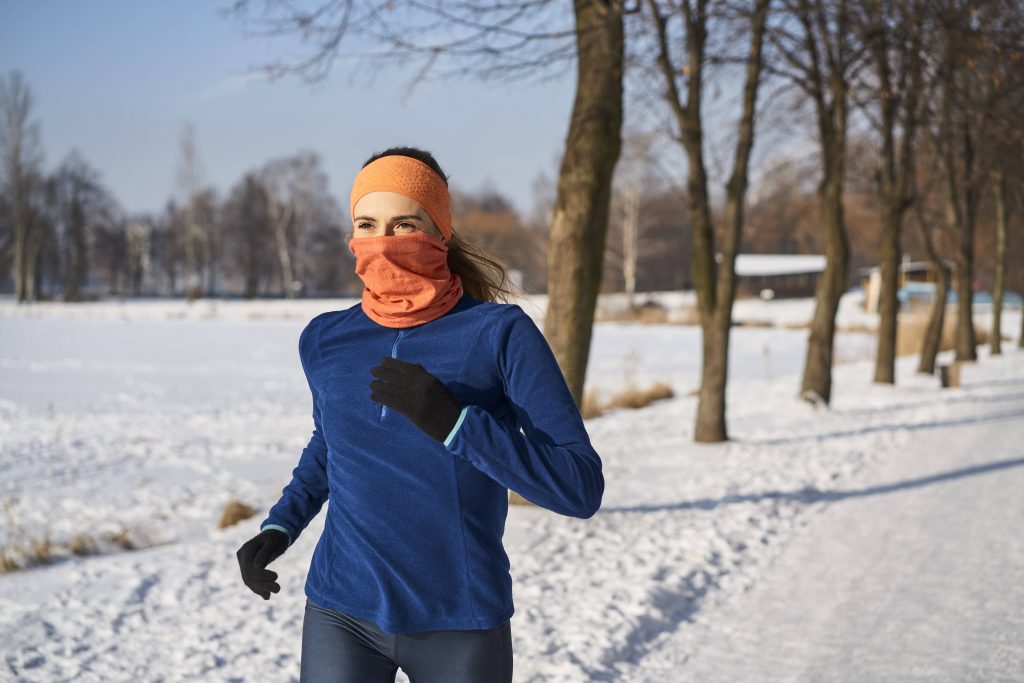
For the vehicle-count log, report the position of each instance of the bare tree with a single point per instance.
(965, 27)
(715, 290)
(249, 234)
(1001, 85)
(281, 211)
(20, 146)
(931, 230)
(1000, 199)
(296, 190)
(83, 207)
(138, 257)
(205, 213)
(194, 236)
(1018, 197)
(893, 32)
(633, 231)
(580, 222)
(819, 53)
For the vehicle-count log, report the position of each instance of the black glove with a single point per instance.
(414, 392)
(255, 555)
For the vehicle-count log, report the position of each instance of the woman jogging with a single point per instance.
(419, 394)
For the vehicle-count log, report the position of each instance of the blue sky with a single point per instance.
(118, 80)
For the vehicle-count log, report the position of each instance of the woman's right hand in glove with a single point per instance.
(255, 555)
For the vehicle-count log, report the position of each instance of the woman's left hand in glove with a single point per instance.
(417, 394)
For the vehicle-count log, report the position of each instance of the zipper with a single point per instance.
(384, 408)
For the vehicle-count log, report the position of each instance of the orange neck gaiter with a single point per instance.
(407, 278)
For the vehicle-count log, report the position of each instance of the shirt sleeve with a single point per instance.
(551, 462)
(304, 496)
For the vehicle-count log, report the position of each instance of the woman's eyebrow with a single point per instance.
(394, 218)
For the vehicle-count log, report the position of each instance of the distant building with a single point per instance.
(776, 276)
(916, 283)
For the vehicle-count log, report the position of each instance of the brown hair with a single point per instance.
(483, 277)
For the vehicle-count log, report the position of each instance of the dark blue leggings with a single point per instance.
(341, 648)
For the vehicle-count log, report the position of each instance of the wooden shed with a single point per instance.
(776, 276)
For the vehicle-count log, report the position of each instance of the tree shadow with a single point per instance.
(945, 401)
(981, 384)
(932, 424)
(811, 494)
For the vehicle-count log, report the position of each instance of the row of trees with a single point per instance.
(929, 88)
(934, 84)
(279, 231)
(922, 79)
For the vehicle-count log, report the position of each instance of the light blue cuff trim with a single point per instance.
(279, 528)
(458, 423)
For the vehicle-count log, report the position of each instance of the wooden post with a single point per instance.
(949, 374)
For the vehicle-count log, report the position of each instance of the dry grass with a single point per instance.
(631, 397)
(913, 326)
(122, 538)
(753, 323)
(25, 554)
(647, 313)
(686, 315)
(854, 327)
(234, 512)
(515, 499)
(83, 544)
(591, 404)
(23, 550)
(650, 313)
(42, 549)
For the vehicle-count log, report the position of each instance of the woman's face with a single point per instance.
(390, 213)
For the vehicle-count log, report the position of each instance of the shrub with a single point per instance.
(234, 512)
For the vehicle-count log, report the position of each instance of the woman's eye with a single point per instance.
(404, 225)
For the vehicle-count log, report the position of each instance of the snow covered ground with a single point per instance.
(913, 573)
(147, 417)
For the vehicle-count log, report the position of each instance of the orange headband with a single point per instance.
(409, 177)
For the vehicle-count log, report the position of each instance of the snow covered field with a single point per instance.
(145, 418)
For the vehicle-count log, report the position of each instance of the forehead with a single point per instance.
(387, 204)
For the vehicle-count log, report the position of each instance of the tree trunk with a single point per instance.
(1019, 203)
(936, 320)
(937, 312)
(999, 195)
(283, 255)
(33, 247)
(900, 81)
(965, 340)
(1020, 339)
(630, 240)
(20, 241)
(580, 220)
(715, 286)
(888, 302)
(961, 223)
(816, 384)
(827, 70)
(78, 260)
(716, 327)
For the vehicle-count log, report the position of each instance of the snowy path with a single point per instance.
(917, 574)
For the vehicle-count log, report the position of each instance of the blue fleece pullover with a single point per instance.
(413, 535)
